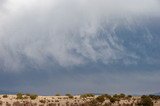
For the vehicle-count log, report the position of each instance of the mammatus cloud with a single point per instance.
(72, 32)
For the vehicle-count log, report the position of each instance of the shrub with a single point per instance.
(69, 95)
(107, 96)
(25, 97)
(112, 99)
(57, 94)
(87, 95)
(119, 96)
(56, 100)
(92, 103)
(27, 94)
(33, 96)
(154, 97)
(5, 96)
(100, 99)
(19, 96)
(1, 103)
(42, 101)
(122, 95)
(129, 96)
(145, 101)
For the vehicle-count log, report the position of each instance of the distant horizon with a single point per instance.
(63, 94)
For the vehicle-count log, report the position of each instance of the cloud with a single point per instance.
(69, 33)
(75, 82)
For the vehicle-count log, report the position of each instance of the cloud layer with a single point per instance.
(75, 32)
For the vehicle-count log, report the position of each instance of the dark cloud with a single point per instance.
(98, 80)
(76, 33)
(58, 46)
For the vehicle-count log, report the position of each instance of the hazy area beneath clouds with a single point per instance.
(70, 33)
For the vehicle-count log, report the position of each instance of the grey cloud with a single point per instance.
(69, 33)
(49, 83)
(2, 2)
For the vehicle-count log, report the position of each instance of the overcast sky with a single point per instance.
(78, 46)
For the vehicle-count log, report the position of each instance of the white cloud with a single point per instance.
(67, 32)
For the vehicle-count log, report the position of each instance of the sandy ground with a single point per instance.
(60, 101)
(42, 100)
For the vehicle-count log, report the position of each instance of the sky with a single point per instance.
(80, 46)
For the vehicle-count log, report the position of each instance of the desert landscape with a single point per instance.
(92, 52)
(79, 100)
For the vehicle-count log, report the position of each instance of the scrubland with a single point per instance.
(79, 100)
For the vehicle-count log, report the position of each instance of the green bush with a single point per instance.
(33, 96)
(19, 96)
(87, 95)
(119, 96)
(27, 94)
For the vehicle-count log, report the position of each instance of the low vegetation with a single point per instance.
(33, 96)
(87, 95)
(83, 100)
(26, 96)
(19, 96)
(5, 96)
(57, 94)
(145, 101)
(69, 96)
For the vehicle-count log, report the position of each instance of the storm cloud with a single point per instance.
(72, 32)
(49, 46)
